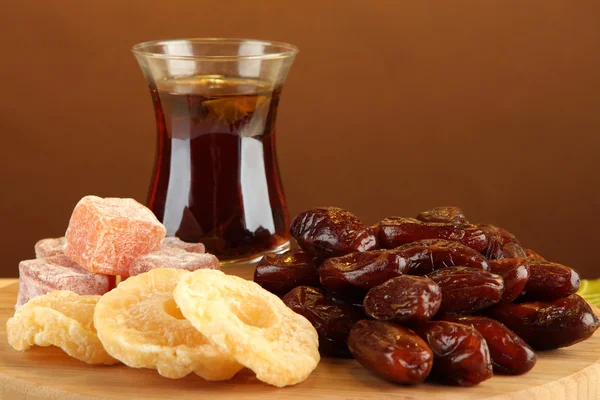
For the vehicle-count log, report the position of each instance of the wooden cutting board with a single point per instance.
(48, 373)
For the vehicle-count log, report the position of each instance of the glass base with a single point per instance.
(282, 248)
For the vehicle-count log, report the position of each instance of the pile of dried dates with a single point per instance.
(433, 297)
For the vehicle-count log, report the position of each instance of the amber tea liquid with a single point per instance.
(216, 178)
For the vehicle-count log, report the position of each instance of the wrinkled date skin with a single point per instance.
(447, 214)
(548, 281)
(404, 299)
(514, 272)
(280, 273)
(359, 272)
(546, 325)
(501, 243)
(332, 319)
(363, 271)
(394, 352)
(511, 250)
(508, 352)
(533, 255)
(465, 290)
(396, 231)
(331, 232)
(461, 355)
(427, 255)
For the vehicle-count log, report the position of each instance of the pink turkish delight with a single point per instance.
(173, 258)
(175, 242)
(44, 275)
(107, 235)
(50, 247)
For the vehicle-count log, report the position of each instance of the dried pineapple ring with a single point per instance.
(255, 326)
(140, 325)
(63, 319)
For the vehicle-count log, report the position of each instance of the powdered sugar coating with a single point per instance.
(44, 275)
(107, 235)
(175, 242)
(174, 258)
(50, 247)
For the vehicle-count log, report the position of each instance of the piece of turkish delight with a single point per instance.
(107, 235)
(173, 258)
(175, 242)
(44, 275)
(50, 247)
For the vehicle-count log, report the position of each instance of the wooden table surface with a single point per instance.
(7, 281)
(566, 374)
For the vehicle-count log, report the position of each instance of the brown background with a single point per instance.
(391, 107)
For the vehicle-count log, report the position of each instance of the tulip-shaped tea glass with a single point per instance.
(216, 178)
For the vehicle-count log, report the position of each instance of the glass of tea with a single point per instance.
(216, 178)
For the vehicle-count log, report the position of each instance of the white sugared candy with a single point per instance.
(43, 275)
(175, 242)
(50, 247)
(173, 258)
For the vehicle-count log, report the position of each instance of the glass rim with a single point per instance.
(288, 50)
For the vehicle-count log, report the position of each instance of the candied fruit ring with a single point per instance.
(254, 325)
(139, 324)
(77, 307)
(40, 322)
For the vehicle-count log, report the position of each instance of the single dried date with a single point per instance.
(501, 243)
(331, 319)
(280, 273)
(330, 232)
(511, 250)
(425, 256)
(404, 299)
(396, 231)
(548, 281)
(546, 325)
(359, 272)
(466, 290)
(514, 272)
(461, 355)
(508, 352)
(394, 352)
(446, 214)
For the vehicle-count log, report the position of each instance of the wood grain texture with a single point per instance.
(7, 281)
(47, 373)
